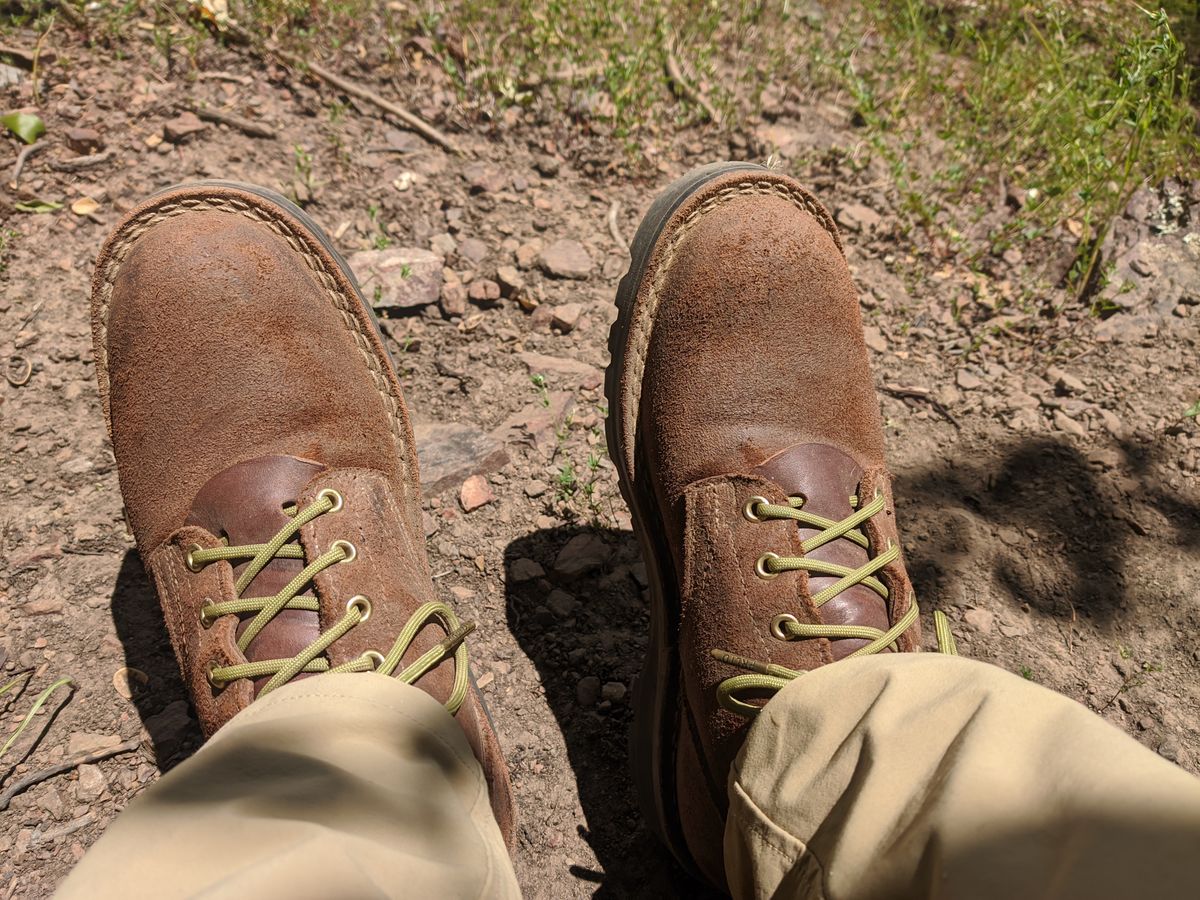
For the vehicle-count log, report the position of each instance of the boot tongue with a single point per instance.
(244, 504)
(827, 478)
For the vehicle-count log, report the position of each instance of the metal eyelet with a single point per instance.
(206, 618)
(212, 679)
(760, 566)
(777, 625)
(748, 509)
(376, 657)
(190, 561)
(334, 497)
(347, 547)
(362, 604)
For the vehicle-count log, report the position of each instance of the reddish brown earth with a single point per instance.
(1047, 487)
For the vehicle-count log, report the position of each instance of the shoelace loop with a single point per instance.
(358, 610)
(767, 678)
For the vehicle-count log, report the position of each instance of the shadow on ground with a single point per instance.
(594, 626)
(139, 623)
(1034, 523)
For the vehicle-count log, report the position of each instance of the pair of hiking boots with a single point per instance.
(270, 478)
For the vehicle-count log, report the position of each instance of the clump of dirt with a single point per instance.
(1047, 491)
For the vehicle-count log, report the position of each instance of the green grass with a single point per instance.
(1069, 106)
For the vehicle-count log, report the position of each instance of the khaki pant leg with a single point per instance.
(933, 776)
(346, 786)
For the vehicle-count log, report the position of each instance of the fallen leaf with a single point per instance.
(126, 680)
(37, 206)
(26, 126)
(84, 206)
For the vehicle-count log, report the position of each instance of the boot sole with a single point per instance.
(657, 714)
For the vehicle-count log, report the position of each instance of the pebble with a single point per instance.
(1063, 422)
(981, 620)
(473, 250)
(510, 280)
(91, 784)
(857, 217)
(525, 569)
(170, 729)
(398, 277)
(587, 691)
(565, 259)
(875, 339)
(475, 492)
(1171, 748)
(1064, 383)
(484, 292)
(583, 553)
(613, 692)
(566, 317)
(968, 381)
(450, 453)
(84, 140)
(182, 127)
(453, 299)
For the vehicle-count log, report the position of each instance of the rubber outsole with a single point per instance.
(656, 719)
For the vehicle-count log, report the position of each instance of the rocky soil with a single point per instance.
(1048, 478)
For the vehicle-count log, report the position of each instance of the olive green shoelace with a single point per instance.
(358, 609)
(766, 678)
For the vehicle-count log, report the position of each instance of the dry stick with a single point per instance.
(690, 92)
(66, 766)
(899, 390)
(80, 162)
(24, 155)
(613, 228)
(246, 126)
(356, 90)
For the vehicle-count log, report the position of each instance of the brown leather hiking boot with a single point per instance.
(266, 459)
(746, 432)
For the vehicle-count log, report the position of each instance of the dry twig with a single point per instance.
(246, 126)
(23, 156)
(920, 393)
(613, 228)
(688, 90)
(81, 162)
(49, 772)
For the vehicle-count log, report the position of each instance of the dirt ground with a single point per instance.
(1048, 483)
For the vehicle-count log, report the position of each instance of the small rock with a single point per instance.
(399, 277)
(510, 280)
(444, 244)
(562, 604)
(968, 381)
(527, 254)
(454, 299)
(182, 127)
(566, 259)
(524, 569)
(475, 492)
(587, 691)
(484, 292)
(980, 620)
(450, 453)
(547, 166)
(1010, 535)
(1064, 383)
(91, 784)
(484, 178)
(168, 730)
(613, 692)
(875, 339)
(583, 553)
(82, 743)
(572, 369)
(1112, 424)
(1171, 748)
(84, 140)
(1063, 422)
(473, 250)
(857, 217)
(566, 317)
